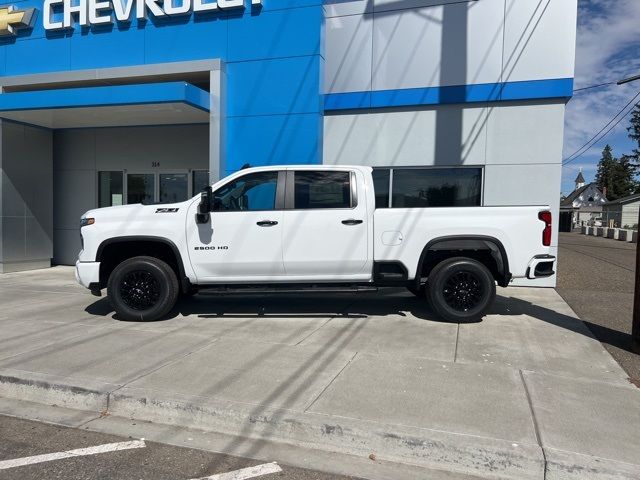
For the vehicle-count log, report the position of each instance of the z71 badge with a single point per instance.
(167, 210)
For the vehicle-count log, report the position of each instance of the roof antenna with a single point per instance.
(245, 166)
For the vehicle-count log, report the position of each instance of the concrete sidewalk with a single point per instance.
(525, 393)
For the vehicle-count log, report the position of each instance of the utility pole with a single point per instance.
(635, 327)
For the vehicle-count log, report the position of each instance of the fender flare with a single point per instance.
(469, 242)
(184, 281)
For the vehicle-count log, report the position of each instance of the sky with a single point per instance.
(608, 50)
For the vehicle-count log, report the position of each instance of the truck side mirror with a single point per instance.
(205, 206)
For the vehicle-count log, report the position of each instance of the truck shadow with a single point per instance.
(389, 302)
(512, 306)
(392, 303)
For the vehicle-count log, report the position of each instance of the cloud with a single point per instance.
(608, 49)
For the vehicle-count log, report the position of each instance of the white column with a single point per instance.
(217, 124)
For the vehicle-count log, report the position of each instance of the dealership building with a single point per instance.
(109, 102)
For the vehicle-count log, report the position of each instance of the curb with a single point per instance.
(479, 456)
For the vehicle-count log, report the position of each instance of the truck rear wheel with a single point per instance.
(142, 289)
(460, 289)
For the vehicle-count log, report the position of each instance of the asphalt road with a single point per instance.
(596, 278)
(25, 438)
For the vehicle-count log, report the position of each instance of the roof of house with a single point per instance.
(580, 178)
(630, 198)
(568, 202)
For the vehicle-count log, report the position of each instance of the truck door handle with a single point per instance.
(267, 223)
(351, 222)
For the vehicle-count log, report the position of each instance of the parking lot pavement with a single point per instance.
(511, 396)
(596, 276)
(131, 459)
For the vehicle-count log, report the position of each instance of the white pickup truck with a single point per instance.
(314, 228)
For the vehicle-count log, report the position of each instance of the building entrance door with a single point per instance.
(141, 188)
(122, 187)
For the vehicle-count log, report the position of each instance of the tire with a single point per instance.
(142, 289)
(461, 289)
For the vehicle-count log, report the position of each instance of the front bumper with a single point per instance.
(88, 273)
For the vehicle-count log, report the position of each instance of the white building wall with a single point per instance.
(374, 45)
(424, 43)
(630, 214)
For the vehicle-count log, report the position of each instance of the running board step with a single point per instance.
(218, 290)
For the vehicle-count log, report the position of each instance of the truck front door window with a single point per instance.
(253, 192)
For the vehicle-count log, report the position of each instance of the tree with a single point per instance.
(624, 177)
(615, 176)
(634, 133)
(606, 172)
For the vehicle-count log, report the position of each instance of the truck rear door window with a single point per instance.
(436, 187)
(318, 189)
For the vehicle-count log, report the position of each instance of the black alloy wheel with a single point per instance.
(140, 290)
(463, 290)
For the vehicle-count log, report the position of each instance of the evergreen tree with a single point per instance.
(624, 177)
(615, 175)
(606, 172)
(634, 133)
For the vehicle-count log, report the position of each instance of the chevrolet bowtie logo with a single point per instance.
(12, 19)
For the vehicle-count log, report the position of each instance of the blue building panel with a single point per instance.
(275, 34)
(268, 5)
(139, 94)
(38, 56)
(272, 57)
(104, 48)
(276, 86)
(561, 88)
(180, 40)
(273, 140)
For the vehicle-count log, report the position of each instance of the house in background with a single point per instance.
(583, 206)
(622, 212)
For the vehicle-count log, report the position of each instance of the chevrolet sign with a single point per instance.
(87, 13)
(12, 19)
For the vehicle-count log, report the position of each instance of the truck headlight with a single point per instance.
(87, 221)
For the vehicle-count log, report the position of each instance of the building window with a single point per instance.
(110, 189)
(200, 180)
(174, 187)
(322, 189)
(252, 192)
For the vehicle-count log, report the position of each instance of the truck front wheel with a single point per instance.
(460, 289)
(142, 289)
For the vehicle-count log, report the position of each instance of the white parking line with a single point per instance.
(81, 452)
(245, 473)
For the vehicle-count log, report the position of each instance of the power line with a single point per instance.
(594, 86)
(597, 137)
